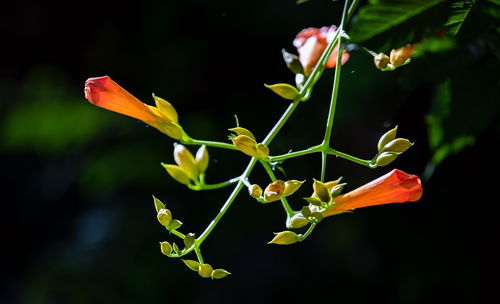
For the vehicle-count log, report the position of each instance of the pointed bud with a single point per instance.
(333, 183)
(192, 264)
(285, 238)
(189, 240)
(219, 274)
(321, 191)
(386, 138)
(166, 108)
(202, 159)
(297, 221)
(284, 90)
(255, 191)
(274, 191)
(166, 248)
(399, 56)
(398, 145)
(175, 248)
(177, 173)
(246, 145)
(158, 204)
(175, 224)
(164, 217)
(337, 189)
(242, 131)
(205, 270)
(186, 161)
(381, 61)
(386, 158)
(291, 186)
(292, 62)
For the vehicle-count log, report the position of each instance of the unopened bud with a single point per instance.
(205, 270)
(192, 264)
(202, 159)
(386, 138)
(274, 191)
(255, 191)
(262, 151)
(386, 158)
(246, 145)
(189, 240)
(284, 90)
(166, 248)
(186, 161)
(242, 131)
(177, 173)
(337, 189)
(219, 274)
(297, 221)
(381, 61)
(399, 145)
(399, 56)
(164, 217)
(285, 238)
(158, 204)
(321, 191)
(291, 186)
(176, 224)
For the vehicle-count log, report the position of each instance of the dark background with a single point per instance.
(78, 221)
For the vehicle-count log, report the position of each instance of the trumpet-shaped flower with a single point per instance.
(311, 42)
(105, 93)
(393, 187)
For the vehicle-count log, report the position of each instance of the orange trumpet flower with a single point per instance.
(393, 187)
(105, 93)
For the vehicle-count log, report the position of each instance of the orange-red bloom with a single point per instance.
(393, 187)
(105, 93)
(311, 42)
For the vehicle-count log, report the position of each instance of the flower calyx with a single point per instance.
(245, 141)
(278, 189)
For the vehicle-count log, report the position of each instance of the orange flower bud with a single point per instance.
(393, 187)
(399, 56)
(311, 42)
(105, 93)
(274, 191)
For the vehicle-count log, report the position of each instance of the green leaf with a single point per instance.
(460, 10)
(284, 90)
(380, 16)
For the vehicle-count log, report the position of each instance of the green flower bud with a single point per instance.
(192, 264)
(297, 221)
(189, 240)
(186, 161)
(219, 273)
(164, 217)
(166, 248)
(202, 159)
(386, 138)
(386, 158)
(205, 270)
(176, 224)
(284, 90)
(285, 238)
(398, 145)
(321, 190)
(291, 186)
(381, 61)
(158, 204)
(255, 191)
(274, 191)
(177, 173)
(337, 189)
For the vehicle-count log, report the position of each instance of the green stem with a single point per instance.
(354, 159)
(208, 143)
(284, 202)
(308, 232)
(281, 157)
(323, 165)
(178, 234)
(197, 250)
(203, 186)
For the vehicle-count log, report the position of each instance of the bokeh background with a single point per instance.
(78, 222)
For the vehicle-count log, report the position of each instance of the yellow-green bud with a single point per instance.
(386, 138)
(297, 221)
(274, 191)
(262, 150)
(175, 225)
(285, 238)
(164, 217)
(381, 61)
(166, 248)
(158, 204)
(386, 158)
(284, 90)
(189, 240)
(219, 273)
(321, 191)
(166, 108)
(337, 189)
(291, 186)
(255, 191)
(242, 131)
(192, 264)
(398, 145)
(246, 145)
(202, 158)
(205, 270)
(177, 173)
(186, 161)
